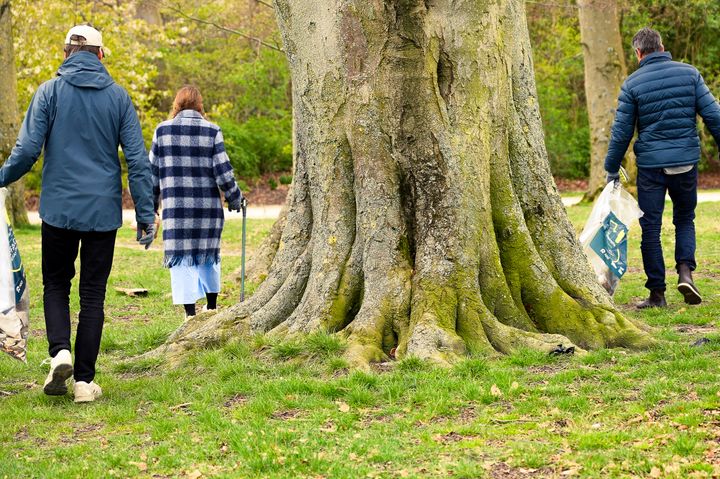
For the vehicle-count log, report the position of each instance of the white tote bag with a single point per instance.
(604, 238)
(14, 296)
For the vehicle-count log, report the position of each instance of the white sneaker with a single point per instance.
(87, 392)
(60, 371)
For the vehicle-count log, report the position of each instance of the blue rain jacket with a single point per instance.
(662, 98)
(80, 118)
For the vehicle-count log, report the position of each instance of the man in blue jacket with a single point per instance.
(80, 118)
(663, 98)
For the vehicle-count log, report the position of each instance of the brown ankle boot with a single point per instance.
(686, 286)
(655, 300)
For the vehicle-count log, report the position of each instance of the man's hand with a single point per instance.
(237, 205)
(613, 177)
(145, 234)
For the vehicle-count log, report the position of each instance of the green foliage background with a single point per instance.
(689, 29)
(247, 86)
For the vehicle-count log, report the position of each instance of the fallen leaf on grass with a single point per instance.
(655, 472)
(142, 466)
(514, 386)
(132, 292)
(343, 407)
(195, 474)
(495, 391)
(570, 472)
(184, 405)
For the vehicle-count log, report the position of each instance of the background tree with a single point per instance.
(605, 72)
(9, 116)
(423, 219)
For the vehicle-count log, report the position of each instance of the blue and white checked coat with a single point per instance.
(189, 168)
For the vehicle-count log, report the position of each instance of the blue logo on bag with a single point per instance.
(610, 244)
(17, 266)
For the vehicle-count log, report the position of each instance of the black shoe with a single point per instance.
(686, 286)
(655, 300)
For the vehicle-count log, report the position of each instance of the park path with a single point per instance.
(270, 212)
(264, 212)
(703, 197)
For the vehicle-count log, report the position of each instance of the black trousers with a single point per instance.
(59, 252)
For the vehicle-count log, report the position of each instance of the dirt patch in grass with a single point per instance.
(88, 428)
(235, 401)
(287, 414)
(451, 437)
(505, 471)
(696, 329)
(547, 368)
(128, 313)
(467, 414)
(385, 367)
(376, 416)
(22, 434)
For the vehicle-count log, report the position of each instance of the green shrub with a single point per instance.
(273, 184)
(285, 179)
(260, 145)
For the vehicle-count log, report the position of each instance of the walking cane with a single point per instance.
(243, 205)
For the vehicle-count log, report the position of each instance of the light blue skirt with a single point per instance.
(191, 283)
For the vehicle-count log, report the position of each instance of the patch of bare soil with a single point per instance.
(695, 329)
(502, 470)
(385, 367)
(451, 437)
(236, 400)
(547, 368)
(467, 414)
(287, 414)
(88, 429)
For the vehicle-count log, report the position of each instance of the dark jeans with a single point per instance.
(652, 184)
(59, 251)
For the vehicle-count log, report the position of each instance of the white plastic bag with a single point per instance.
(604, 238)
(14, 295)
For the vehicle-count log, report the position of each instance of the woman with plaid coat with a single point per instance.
(190, 167)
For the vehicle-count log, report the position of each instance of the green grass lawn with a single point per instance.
(287, 410)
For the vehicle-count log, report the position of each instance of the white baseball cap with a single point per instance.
(93, 38)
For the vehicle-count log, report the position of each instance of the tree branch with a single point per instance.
(260, 41)
(262, 2)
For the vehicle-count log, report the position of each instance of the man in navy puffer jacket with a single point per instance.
(663, 98)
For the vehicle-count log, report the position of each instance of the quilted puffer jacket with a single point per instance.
(662, 98)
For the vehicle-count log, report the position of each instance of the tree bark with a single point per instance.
(9, 115)
(605, 71)
(149, 11)
(423, 216)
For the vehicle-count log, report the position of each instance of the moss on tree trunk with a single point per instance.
(423, 215)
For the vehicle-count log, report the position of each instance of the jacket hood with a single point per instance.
(85, 70)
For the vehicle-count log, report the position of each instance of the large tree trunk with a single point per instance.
(605, 71)
(423, 215)
(9, 116)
